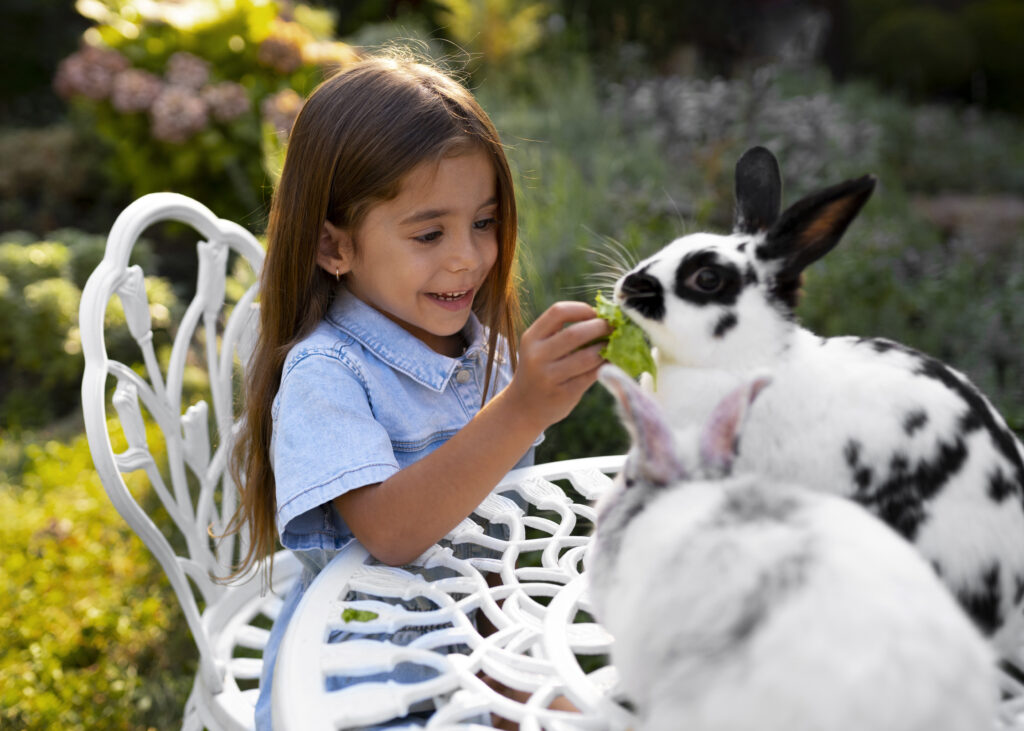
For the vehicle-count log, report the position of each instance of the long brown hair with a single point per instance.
(357, 136)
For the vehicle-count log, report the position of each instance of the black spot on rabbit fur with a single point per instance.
(1018, 589)
(999, 487)
(983, 604)
(725, 323)
(899, 497)
(773, 585)
(752, 506)
(862, 474)
(914, 421)
(980, 416)
(614, 526)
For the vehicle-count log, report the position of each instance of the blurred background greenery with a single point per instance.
(623, 122)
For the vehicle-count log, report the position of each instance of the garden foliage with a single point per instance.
(91, 636)
(40, 348)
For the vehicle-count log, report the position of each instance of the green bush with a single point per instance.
(52, 176)
(40, 346)
(91, 635)
(996, 26)
(923, 51)
(192, 98)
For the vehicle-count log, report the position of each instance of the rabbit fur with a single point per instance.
(901, 433)
(741, 603)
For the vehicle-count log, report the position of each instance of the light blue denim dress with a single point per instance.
(360, 398)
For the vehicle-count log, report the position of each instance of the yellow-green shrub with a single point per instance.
(91, 636)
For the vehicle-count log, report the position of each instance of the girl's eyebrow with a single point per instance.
(429, 214)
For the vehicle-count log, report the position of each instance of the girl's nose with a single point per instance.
(463, 255)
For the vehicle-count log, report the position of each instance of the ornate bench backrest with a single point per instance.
(188, 471)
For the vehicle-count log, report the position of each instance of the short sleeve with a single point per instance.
(326, 443)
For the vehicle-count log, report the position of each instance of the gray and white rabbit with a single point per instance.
(899, 432)
(740, 603)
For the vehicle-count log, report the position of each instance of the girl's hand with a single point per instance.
(556, 364)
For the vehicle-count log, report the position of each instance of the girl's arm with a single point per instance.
(398, 519)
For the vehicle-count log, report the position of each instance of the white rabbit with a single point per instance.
(901, 433)
(737, 603)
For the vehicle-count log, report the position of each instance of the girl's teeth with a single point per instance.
(451, 296)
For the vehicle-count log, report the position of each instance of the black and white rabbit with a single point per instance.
(740, 603)
(899, 432)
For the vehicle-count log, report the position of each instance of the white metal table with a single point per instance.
(538, 610)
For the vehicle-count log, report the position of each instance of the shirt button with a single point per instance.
(463, 376)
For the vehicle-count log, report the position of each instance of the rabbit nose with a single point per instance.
(643, 293)
(640, 284)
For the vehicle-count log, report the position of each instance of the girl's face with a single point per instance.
(423, 255)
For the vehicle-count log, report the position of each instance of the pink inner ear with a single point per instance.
(718, 440)
(653, 451)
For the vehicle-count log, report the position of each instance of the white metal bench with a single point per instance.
(539, 609)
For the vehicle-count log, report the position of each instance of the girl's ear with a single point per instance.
(334, 250)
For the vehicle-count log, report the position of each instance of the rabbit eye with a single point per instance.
(707, 279)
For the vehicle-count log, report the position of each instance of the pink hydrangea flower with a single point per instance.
(280, 54)
(135, 90)
(280, 110)
(187, 70)
(177, 114)
(226, 100)
(89, 72)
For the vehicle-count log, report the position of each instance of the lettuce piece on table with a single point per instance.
(358, 615)
(627, 346)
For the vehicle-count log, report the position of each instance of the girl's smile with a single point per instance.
(421, 257)
(454, 301)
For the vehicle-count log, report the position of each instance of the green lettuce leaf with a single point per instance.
(358, 615)
(627, 346)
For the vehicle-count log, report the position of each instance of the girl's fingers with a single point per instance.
(579, 335)
(576, 363)
(554, 318)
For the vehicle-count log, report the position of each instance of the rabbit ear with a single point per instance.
(758, 191)
(812, 226)
(652, 458)
(720, 438)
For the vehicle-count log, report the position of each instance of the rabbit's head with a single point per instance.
(707, 300)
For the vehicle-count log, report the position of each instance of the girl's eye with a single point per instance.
(707, 280)
(428, 237)
(485, 223)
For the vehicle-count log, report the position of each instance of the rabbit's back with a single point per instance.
(903, 435)
(762, 606)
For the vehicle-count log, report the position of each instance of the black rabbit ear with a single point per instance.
(758, 191)
(811, 227)
(652, 458)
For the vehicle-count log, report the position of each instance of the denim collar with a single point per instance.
(399, 348)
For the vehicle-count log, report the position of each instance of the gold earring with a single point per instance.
(337, 275)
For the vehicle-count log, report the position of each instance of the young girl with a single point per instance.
(386, 396)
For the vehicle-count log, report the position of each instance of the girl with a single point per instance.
(386, 396)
